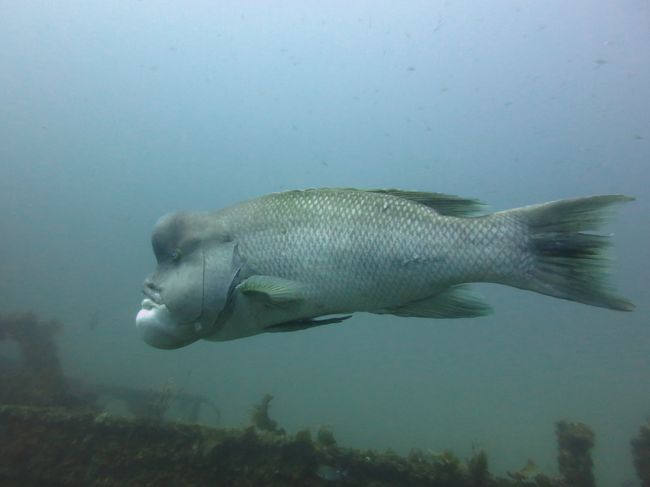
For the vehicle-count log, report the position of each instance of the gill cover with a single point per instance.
(181, 286)
(221, 267)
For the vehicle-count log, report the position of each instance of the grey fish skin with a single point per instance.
(284, 259)
(363, 251)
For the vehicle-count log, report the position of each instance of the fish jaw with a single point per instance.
(159, 329)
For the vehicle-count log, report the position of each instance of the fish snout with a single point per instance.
(151, 290)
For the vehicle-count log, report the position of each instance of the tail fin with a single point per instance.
(568, 263)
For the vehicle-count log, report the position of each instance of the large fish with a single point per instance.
(294, 260)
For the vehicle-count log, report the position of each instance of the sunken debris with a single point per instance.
(56, 446)
(54, 432)
(37, 379)
(325, 437)
(641, 454)
(260, 418)
(155, 403)
(575, 441)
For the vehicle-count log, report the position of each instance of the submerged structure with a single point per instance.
(55, 432)
(641, 454)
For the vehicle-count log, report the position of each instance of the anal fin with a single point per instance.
(453, 302)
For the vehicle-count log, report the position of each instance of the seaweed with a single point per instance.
(260, 417)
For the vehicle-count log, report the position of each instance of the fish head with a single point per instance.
(187, 295)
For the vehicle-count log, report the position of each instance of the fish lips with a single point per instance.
(159, 329)
(176, 311)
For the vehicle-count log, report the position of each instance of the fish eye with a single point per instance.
(175, 254)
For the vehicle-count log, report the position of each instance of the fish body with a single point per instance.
(281, 261)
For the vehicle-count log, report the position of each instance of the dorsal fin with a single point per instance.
(445, 204)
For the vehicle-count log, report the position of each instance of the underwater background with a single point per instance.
(114, 113)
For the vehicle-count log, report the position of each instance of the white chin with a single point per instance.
(153, 314)
(158, 327)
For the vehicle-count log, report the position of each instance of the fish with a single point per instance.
(306, 258)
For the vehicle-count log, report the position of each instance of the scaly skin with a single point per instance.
(364, 251)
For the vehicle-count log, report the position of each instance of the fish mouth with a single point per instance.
(154, 296)
(149, 304)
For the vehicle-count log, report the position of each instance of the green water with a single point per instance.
(113, 114)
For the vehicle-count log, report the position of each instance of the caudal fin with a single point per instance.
(569, 263)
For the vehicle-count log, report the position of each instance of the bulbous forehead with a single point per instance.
(170, 229)
(179, 230)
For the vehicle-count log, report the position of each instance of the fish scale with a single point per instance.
(357, 249)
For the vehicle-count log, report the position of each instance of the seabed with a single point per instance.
(54, 432)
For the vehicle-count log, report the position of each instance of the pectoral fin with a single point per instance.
(454, 302)
(276, 289)
(304, 324)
